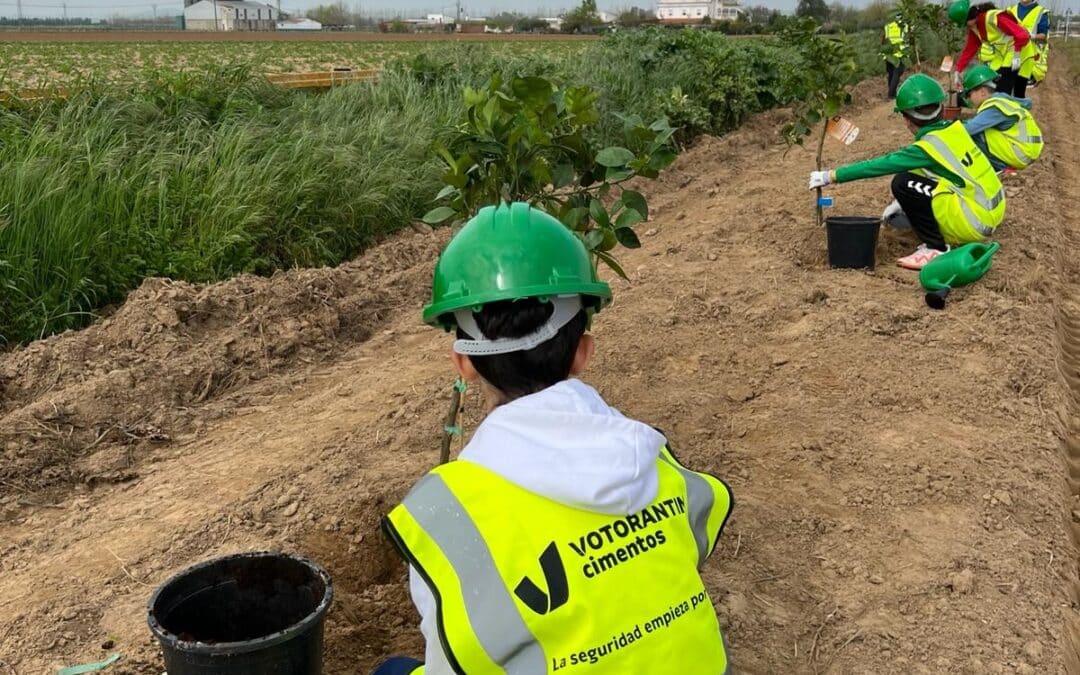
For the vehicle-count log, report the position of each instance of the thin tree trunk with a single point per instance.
(820, 150)
(451, 423)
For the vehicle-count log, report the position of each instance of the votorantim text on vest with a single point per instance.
(628, 637)
(622, 529)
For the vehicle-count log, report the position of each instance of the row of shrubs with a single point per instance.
(202, 176)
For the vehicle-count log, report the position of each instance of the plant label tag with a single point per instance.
(825, 201)
(946, 64)
(842, 130)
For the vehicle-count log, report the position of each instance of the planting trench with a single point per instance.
(898, 472)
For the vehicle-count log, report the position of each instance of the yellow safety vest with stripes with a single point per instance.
(1031, 67)
(528, 586)
(1019, 145)
(970, 211)
(894, 34)
(997, 50)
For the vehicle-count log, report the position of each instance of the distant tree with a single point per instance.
(844, 17)
(335, 14)
(582, 19)
(759, 14)
(530, 24)
(813, 8)
(31, 21)
(503, 20)
(876, 14)
(634, 17)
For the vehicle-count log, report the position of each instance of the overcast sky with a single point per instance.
(105, 8)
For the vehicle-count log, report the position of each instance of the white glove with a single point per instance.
(1016, 61)
(890, 211)
(819, 179)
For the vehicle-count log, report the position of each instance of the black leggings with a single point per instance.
(915, 194)
(1011, 82)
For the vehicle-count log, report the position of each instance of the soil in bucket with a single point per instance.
(245, 614)
(852, 241)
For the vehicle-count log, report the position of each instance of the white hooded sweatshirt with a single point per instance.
(564, 443)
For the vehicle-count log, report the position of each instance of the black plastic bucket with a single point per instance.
(852, 240)
(245, 614)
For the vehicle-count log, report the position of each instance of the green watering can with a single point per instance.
(959, 267)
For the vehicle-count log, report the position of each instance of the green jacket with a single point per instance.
(905, 159)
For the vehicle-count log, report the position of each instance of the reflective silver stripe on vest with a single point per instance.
(700, 498)
(494, 617)
(974, 220)
(954, 165)
(1008, 107)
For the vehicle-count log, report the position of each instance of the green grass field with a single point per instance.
(47, 64)
(201, 169)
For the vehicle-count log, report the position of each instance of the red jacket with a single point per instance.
(1007, 24)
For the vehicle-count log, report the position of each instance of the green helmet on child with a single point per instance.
(511, 252)
(917, 91)
(958, 12)
(977, 76)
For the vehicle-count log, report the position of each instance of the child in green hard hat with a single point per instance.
(566, 537)
(942, 182)
(996, 37)
(1003, 128)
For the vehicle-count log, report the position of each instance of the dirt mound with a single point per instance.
(88, 406)
(899, 485)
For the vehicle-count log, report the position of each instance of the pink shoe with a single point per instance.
(1007, 172)
(920, 258)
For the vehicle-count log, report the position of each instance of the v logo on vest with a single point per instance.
(967, 160)
(554, 578)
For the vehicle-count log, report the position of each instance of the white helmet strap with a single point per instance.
(922, 117)
(566, 308)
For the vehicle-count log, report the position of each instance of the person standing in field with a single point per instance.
(1003, 127)
(942, 182)
(1036, 21)
(894, 52)
(995, 36)
(566, 537)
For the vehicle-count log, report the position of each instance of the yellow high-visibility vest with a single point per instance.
(998, 45)
(526, 585)
(895, 35)
(1032, 67)
(971, 211)
(1019, 145)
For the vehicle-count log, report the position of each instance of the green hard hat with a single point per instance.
(979, 75)
(958, 12)
(511, 252)
(918, 90)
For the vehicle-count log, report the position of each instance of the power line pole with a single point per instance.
(18, 5)
(216, 19)
(457, 21)
(65, 12)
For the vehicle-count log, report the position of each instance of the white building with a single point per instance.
(299, 23)
(694, 11)
(229, 15)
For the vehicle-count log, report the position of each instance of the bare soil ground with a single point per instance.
(271, 36)
(906, 480)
